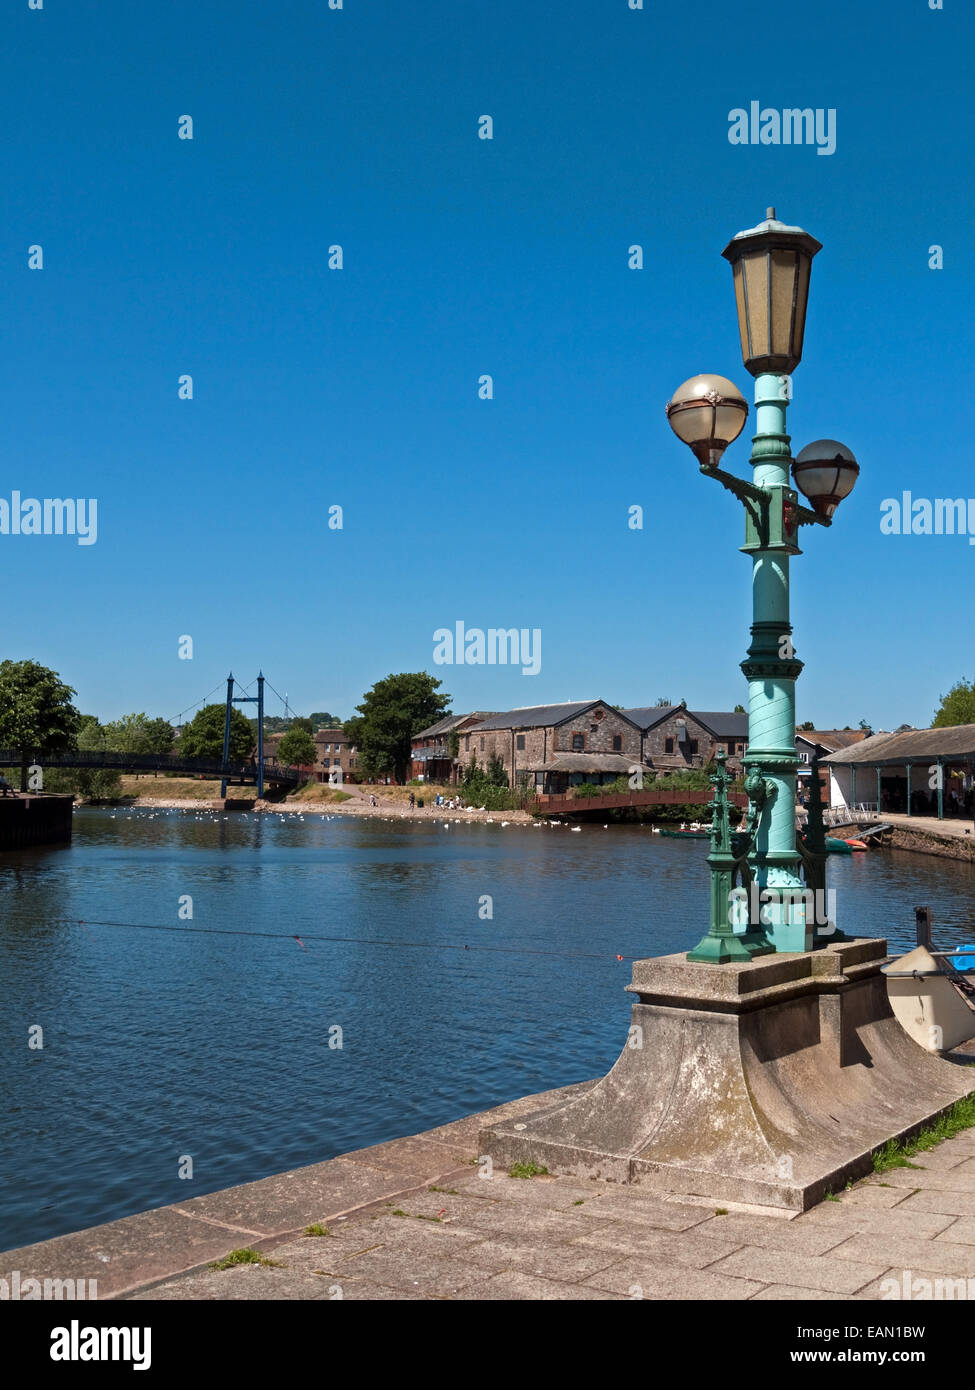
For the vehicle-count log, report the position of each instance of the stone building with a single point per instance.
(553, 747)
(336, 756)
(431, 748)
(674, 738)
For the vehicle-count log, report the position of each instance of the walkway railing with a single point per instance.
(158, 762)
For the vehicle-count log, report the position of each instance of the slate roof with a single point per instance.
(723, 724)
(539, 716)
(450, 721)
(880, 750)
(646, 716)
(833, 739)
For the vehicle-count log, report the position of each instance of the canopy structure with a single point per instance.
(920, 771)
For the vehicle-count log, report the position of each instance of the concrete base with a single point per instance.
(770, 1082)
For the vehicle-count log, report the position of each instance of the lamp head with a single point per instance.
(707, 413)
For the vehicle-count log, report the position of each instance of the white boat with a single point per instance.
(931, 1000)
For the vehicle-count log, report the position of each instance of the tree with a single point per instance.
(321, 719)
(496, 775)
(137, 733)
(661, 702)
(957, 707)
(390, 712)
(740, 709)
(453, 744)
(297, 749)
(865, 727)
(301, 722)
(202, 737)
(805, 727)
(36, 714)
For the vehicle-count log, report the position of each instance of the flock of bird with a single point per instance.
(212, 816)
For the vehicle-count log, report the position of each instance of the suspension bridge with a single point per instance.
(253, 770)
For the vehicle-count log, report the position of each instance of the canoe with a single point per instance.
(857, 844)
(837, 846)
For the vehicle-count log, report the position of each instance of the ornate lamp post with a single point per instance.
(771, 265)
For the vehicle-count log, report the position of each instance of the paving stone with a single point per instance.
(127, 1253)
(943, 1159)
(565, 1263)
(413, 1156)
(950, 1257)
(961, 1230)
(781, 1293)
(827, 1273)
(514, 1284)
(954, 1180)
(521, 1223)
(649, 1279)
(949, 1203)
(902, 1220)
(773, 1232)
(293, 1200)
(665, 1216)
(683, 1248)
(869, 1194)
(242, 1282)
(429, 1271)
(557, 1193)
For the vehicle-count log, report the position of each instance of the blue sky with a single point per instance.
(462, 256)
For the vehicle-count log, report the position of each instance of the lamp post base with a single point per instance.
(770, 1082)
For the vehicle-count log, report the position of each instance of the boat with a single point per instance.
(857, 844)
(837, 846)
(686, 834)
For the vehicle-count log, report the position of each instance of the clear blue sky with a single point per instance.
(462, 256)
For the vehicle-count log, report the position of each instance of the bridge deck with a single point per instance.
(160, 762)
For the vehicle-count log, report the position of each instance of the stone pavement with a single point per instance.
(413, 1219)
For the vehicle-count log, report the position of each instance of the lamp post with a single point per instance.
(771, 265)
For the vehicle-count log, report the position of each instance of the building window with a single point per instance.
(520, 742)
(594, 728)
(731, 745)
(326, 762)
(578, 742)
(467, 743)
(617, 743)
(482, 745)
(693, 746)
(668, 745)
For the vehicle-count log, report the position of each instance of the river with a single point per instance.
(167, 1036)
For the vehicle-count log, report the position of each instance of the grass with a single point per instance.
(896, 1153)
(578, 1201)
(526, 1170)
(721, 1211)
(450, 1191)
(830, 1197)
(317, 1229)
(244, 1257)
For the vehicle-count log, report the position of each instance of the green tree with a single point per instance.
(37, 717)
(496, 774)
(740, 709)
(661, 702)
(805, 727)
(957, 707)
(202, 737)
(137, 733)
(297, 749)
(300, 721)
(453, 744)
(388, 716)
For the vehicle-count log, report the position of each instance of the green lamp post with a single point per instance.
(771, 265)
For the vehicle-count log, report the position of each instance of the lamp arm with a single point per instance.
(806, 517)
(745, 492)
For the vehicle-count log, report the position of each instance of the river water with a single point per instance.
(166, 1036)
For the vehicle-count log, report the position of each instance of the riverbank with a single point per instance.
(945, 839)
(420, 1219)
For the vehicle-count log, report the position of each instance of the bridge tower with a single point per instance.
(232, 700)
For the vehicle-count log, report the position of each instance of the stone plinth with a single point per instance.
(769, 1082)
